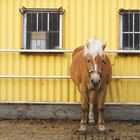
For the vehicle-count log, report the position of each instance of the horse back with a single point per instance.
(78, 67)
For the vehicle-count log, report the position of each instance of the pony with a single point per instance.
(91, 71)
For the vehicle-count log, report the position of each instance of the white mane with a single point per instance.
(94, 48)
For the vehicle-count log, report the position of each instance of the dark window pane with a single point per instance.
(31, 22)
(53, 40)
(137, 22)
(42, 22)
(45, 21)
(128, 41)
(137, 42)
(28, 40)
(28, 22)
(54, 22)
(127, 22)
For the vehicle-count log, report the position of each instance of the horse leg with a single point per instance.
(92, 96)
(84, 107)
(101, 100)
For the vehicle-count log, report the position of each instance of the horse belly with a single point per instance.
(74, 73)
(76, 70)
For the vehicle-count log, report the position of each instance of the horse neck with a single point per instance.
(83, 67)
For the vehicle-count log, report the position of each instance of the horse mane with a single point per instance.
(77, 50)
(93, 48)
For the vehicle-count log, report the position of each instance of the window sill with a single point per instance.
(50, 51)
(129, 52)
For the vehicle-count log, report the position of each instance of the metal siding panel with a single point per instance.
(85, 18)
(3, 42)
(92, 18)
(65, 81)
(107, 23)
(82, 20)
(71, 9)
(78, 21)
(99, 19)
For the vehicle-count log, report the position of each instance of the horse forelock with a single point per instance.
(94, 48)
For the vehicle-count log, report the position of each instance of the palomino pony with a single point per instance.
(91, 71)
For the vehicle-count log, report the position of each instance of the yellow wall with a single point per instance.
(82, 19)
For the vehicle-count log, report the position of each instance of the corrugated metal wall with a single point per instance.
(82, 19)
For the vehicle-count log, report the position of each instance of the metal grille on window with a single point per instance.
(130, 29)
(42, 30)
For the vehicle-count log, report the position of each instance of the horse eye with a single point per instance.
(103, 61)
(88, 60)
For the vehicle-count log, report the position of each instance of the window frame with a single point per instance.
(25, 11)
(133, 32)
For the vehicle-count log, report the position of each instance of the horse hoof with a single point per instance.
(101, 128)
(82, 128)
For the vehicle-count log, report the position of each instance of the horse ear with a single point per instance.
(87, 44)
(104, 46)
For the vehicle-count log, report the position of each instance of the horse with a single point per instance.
(91, 72)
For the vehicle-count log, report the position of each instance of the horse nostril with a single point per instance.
(95, 82)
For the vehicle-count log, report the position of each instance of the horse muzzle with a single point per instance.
(95, 81)
(95, 84)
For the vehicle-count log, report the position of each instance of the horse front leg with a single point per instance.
(101, 100)
(92, 102)
(84, 109)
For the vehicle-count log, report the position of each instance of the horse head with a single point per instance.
(95, 60)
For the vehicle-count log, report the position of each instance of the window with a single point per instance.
(42, 28)
(130, 29)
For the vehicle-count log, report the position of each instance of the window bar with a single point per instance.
(48, 25)
(121, 31)
(60, 31)
(37, 21)
(52, 33)
(24, 30)
(133, 32)
(42, 21)
(129, 30)
(42, 27)
(37, 32)
(31, 22)
(48, 22)
(139, 32)
(30, 30)
(54, 47)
